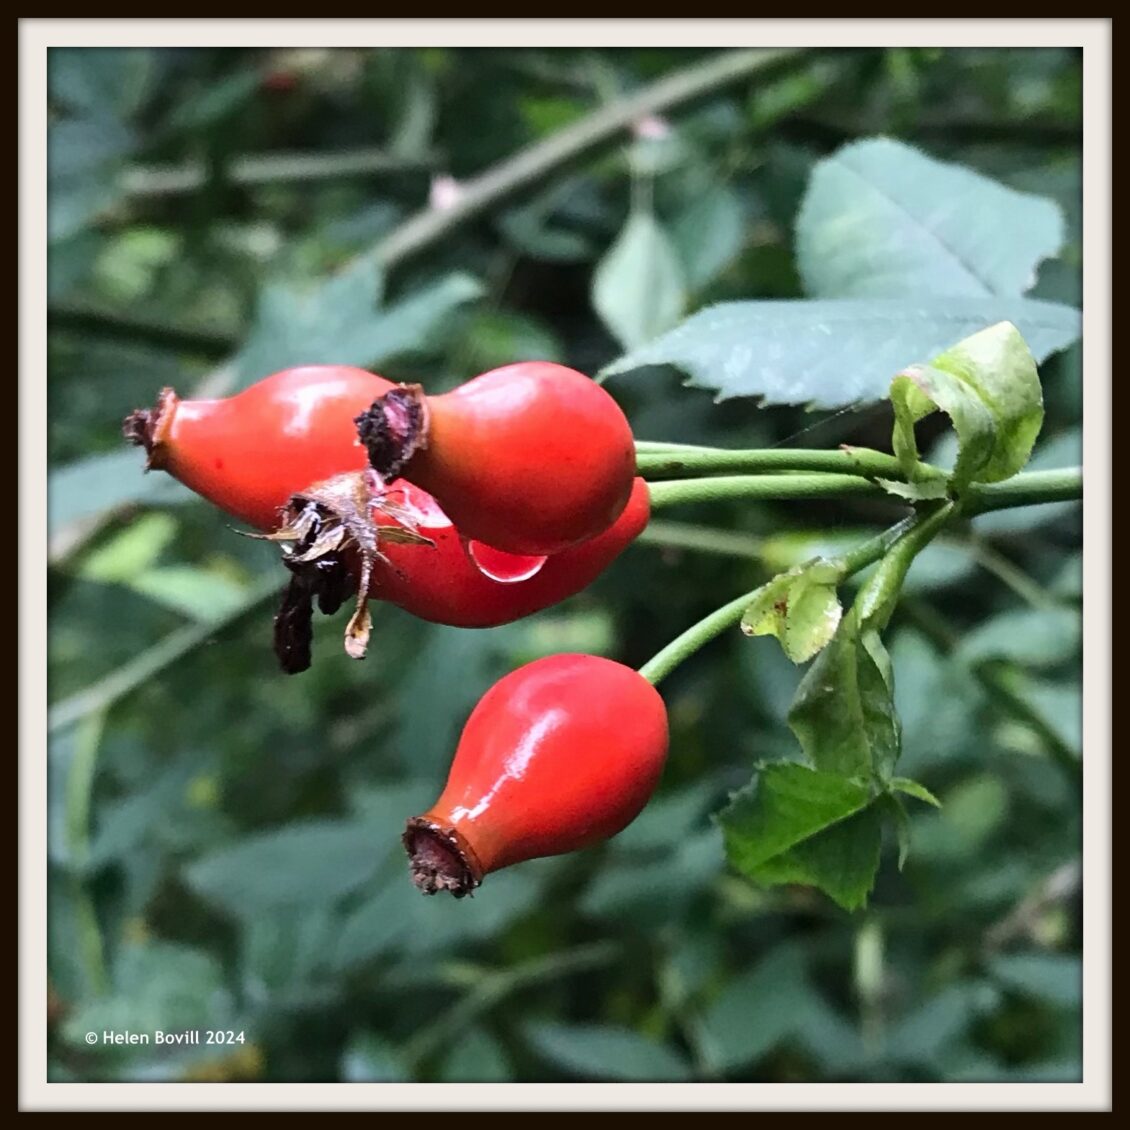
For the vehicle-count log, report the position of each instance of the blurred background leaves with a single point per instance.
(224, 847)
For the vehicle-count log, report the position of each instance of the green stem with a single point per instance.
(1028, 489)
(849, 460)
(272, 168)
(495, 987)
(1012, 575)
(705, 539)
(78, 792)
(698, 635)
(140, 669)
(765, 487)
(988, 673)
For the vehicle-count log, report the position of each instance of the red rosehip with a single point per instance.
(443, 583)
(250, 452)
(350, 535)
(530, 458)
(560, 754)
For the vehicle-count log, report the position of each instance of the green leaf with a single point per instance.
(843, 714)
(1041, 637)
(758, 1010)
(915, 789)
(88, 487)
(156, 987)
(708, 234)
(307, 863)
(638, 288)
(131, 551)
(593, 1051)
(1053, 977)
(835, 352)
(106, 81)
(881, 219)
(842, 860)
(782, 807)
(202, 594)
(799, 607)
(338, 322)
(922, 389)
(897, 811)
(476, 1058)
(924, 491)
(369, 1059)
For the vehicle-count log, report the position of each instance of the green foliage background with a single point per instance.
(224, 841)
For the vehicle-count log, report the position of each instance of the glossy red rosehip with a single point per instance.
(250, 452)
(442, 582)
(560, 754)
(530, 458)
(352, 536)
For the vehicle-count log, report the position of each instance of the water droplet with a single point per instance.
(506, 568)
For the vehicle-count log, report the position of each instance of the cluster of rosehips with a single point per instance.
(473, 508)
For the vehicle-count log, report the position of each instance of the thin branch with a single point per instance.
(1059, 887)
(533, 164)
(96, 322)
(127, 678)
(272, 168)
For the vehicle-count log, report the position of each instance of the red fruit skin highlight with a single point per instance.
(250, 452)
(443, 584)
(559, 754)
(529, 458)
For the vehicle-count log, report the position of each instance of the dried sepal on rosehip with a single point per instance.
(351, 528)
(331, 544)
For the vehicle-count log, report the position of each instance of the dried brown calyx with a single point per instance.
(439, 859)
(328, 528)
(393, 429)
(148, 427)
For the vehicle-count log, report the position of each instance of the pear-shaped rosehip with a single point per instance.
(559, 754)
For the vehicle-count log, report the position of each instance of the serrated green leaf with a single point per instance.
(834, 352)
(915, 789)
(782, 807)
(800, 608)
(638, 288)
(881, 219)
(842, 860)
(338, 322)
(843, 714)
